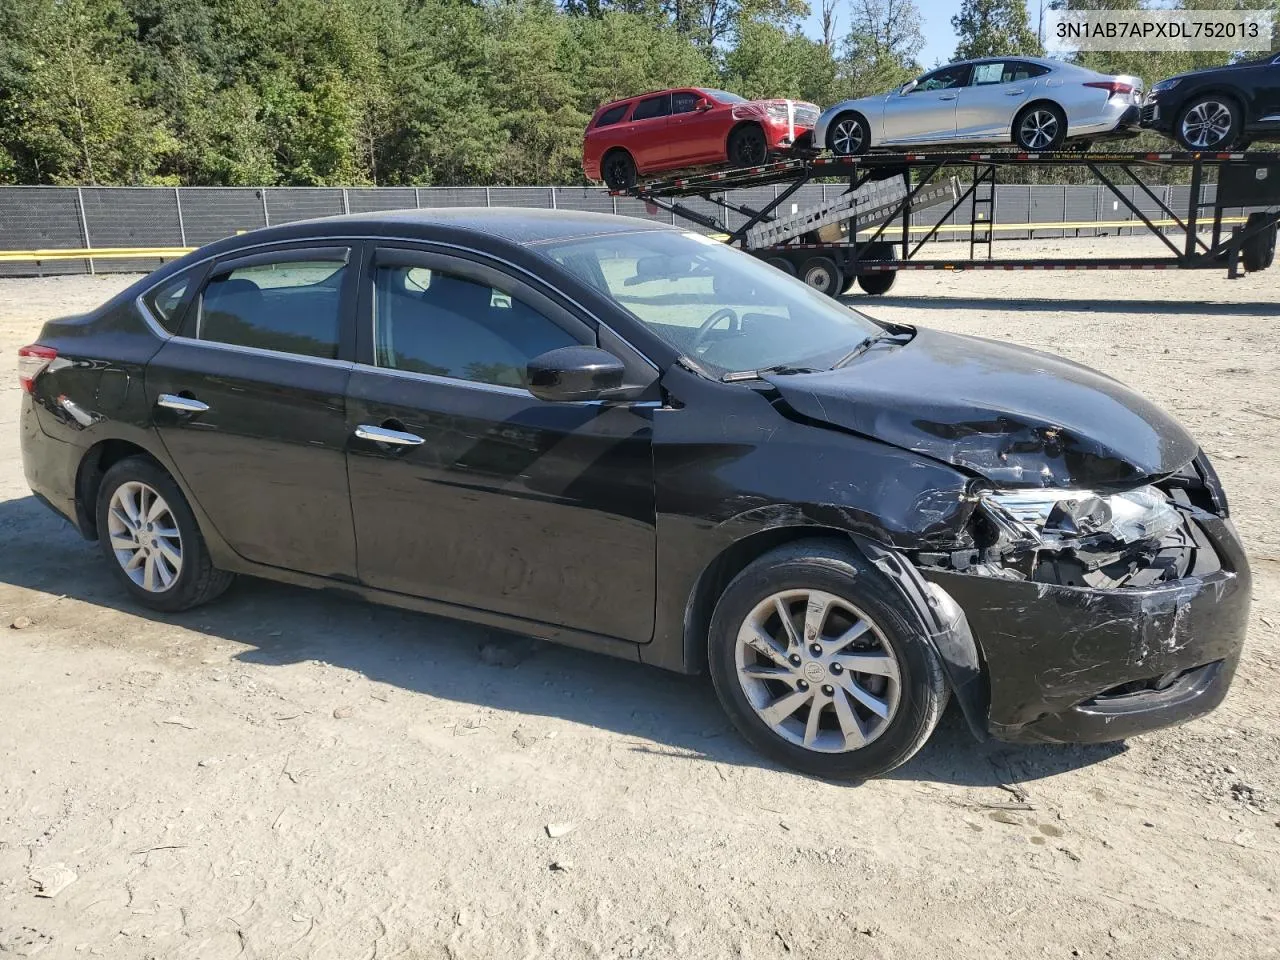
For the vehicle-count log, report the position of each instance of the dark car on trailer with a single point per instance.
(632, 439)
(1222, 108)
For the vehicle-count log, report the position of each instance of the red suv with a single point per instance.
(690, 127)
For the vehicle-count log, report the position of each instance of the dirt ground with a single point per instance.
(286, 774)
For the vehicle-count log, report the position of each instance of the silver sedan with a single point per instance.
(1034, 104)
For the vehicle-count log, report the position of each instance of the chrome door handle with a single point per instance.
(1014, 93)
(383, 435)
(950, 96)
(172, 401)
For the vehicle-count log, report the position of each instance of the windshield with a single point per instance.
(715, 304)
(723, 96)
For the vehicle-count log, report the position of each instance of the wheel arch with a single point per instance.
(97, 460)
(617, 148)
(940, 619)
(1237, 98)
(742, 125)
(1038, 101)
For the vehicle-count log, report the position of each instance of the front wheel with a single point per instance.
(1210, 122)
(151, 539)
(747, 146)
(814, 658)
(1041, 126)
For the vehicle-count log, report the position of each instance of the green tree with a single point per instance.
(883, 46)
(994, 28)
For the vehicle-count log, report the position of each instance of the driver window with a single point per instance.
(684, 102)
(942, 79)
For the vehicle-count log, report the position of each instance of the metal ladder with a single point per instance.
(982, 211)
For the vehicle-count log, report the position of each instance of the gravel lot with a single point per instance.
(286, 774)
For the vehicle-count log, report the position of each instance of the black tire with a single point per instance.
(1212, 108)
(834, 567)
(747, 146)
(849, 135)
(1259, 251)
(782, 263)
(879, 283)
(1039, 127)
(823, 275)
(618, 170)
(198, 580)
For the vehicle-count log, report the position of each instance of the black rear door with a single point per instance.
(250, 404)
(467, 489)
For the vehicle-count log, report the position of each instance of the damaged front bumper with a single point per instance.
(1089, 664)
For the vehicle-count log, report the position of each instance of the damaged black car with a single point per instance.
(636, 440)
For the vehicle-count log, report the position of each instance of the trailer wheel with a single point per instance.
(783, 264)
(823, 275)
(878, 283)
(1259, 251)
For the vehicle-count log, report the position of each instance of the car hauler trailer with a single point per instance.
(864, 236)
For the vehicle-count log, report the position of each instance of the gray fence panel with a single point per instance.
(40, 218)
(535, 197)
(456, 197)
(589, 199)
(132, 217)
(291, 204)
(211, 213)
(373, 199)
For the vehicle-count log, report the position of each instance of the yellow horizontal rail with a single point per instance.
(170, 253)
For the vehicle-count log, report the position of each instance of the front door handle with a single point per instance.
(172, 401)
(947, 96)
(1014, 93)
(383, 435)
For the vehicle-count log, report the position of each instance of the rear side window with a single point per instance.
(653, 107)
(428, 321)
(1016, 70)
(166, 301)
(612, 116)
(293, 306)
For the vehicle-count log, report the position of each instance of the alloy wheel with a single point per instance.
(1206, 124)
(1039, 128)
(846, 138)
(144, 536)
(818, 671)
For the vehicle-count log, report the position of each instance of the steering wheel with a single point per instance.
(709, 324)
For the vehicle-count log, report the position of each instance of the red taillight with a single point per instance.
(1116, 88)
(32, 361)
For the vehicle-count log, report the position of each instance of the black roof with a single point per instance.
(515, 224)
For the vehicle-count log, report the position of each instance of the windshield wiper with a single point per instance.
(900, 336)
(778, 369)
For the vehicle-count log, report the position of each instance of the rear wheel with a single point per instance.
(823, 275)
(747, 146)
(815, 660)
(783, 264)
(849, 135)
(1210, 122)
(151, 540)
(1041, 126)
(618, 170)
(878, 283)
(1259, 251)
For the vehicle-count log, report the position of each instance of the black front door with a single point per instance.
(250, 404)
(467, 489)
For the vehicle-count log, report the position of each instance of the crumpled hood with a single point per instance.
(1015, 416)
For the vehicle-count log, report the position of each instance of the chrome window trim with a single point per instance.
(263, 352)
(378, 238)
(148, 317)
(492, 387)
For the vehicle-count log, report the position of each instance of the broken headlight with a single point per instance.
(1058, 517)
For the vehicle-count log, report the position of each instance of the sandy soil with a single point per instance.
(285, 774)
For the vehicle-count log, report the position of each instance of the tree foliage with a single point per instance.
(993, 28)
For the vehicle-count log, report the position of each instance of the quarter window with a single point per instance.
(611, 116)
(653, 107)
(429, 321)
(293, 306)
(165, 301)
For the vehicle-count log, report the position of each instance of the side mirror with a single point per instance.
(909, 86)
(702, 104)
(574, 373)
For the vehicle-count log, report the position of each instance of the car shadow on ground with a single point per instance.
(1049, 305)
(451, 660)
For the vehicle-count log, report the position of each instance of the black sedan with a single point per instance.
(1222, 108)
(637, 440)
